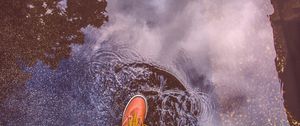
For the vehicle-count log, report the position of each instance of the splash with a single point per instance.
(115, 79)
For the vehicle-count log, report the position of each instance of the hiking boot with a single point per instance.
(135, 111)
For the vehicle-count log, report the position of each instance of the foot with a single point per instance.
(135, 111)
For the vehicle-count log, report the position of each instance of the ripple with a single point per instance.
(116, 76)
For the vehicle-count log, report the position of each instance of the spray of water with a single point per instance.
(117, 75)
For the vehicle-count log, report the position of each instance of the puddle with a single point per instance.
(114, 82)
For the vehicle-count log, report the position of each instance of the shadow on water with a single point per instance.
(114, 79)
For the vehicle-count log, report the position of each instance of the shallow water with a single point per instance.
(95, 91)
(200, 62)
(114, 82)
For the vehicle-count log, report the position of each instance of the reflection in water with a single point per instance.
(224, 49)
(170, 102)
(94, 91)
(33, 31)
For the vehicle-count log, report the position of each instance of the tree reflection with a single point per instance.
(41, 30)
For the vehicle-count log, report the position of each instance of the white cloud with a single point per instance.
(62, 5)
(225, 40)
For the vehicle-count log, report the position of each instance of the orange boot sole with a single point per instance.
(137, 108)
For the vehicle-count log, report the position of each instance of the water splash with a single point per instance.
(115, 78)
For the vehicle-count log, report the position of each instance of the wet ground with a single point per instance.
(286, 26)
(97, 92)
(197, 63)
